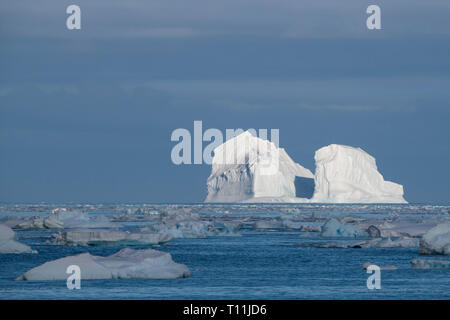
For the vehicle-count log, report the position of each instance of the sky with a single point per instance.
(86, 115)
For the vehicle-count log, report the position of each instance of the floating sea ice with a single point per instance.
(125, 264)
(9, 245)
(334, 228)
(40, 223)
(387, 243)
(436, 240)
(182, 224)
(81, 219)
(390, 267)
(405, 228)
(373, 243)
(429, 264)
(350, 175)
(108, 237)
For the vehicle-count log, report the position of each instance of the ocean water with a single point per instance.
(258, 264)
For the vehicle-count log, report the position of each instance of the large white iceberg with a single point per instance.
(350, 175)
(249, 168)
(9, 245)
(125, 264)
(436, 240)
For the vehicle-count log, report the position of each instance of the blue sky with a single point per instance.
(87, 115)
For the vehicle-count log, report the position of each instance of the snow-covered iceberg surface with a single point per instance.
(436, 241)
(246, 167)
(125, 264)
(349, 175)
(9, 245)
(249, 169)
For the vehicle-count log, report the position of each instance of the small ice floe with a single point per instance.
(334, 228)
(373, 243)
(405, 228)
(40, 223)
(189, 225)
(9, 245)
(429, 264)
(387, 243)
(125, 264)
(436, 241)
(390, 267)
(108, 237)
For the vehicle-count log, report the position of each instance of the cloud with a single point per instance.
(180, 18)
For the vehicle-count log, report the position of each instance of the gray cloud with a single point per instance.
(181, 18)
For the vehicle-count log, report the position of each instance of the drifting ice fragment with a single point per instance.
(9, 245)
(436, 240)
(125, 264)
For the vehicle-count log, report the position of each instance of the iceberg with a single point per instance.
(436, 241)
(125, 264)
(246, 168)
(249, 169)
(9, 245)
(349, 175)
(107, 237)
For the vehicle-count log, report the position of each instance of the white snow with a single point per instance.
(9, 245)
(246, 167)
(125, 264)
(436, 240)
(249, 169)
(350, 175)
(108, 237)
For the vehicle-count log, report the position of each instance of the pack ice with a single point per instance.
(8, 244)
(125, 264)
(249, 169)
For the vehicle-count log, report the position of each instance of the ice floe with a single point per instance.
(125, 264)
(9, 245)
(108, 237)
(334, 228)
(436, 241)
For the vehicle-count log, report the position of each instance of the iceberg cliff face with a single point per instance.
(349, 175)
(249, 169)
(246, 167)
